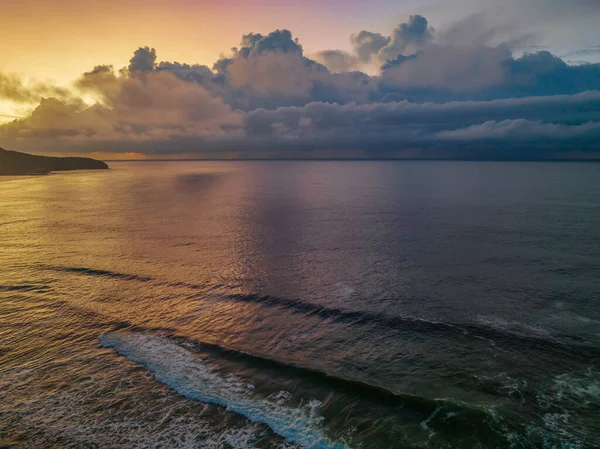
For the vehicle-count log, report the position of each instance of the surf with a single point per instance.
(193, 378)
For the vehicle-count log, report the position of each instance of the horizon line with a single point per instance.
(596, 160)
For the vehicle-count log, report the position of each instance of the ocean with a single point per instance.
(313, 304)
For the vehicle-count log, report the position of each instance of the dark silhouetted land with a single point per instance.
(15, 163)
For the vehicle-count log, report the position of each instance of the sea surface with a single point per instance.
(301, 304)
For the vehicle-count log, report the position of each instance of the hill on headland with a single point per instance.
(15, 163)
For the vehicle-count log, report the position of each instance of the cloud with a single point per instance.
(337, 60)
(591, 50)
(277, 41)
(520, 130)
(367, 44)
(527, 127)
(498, 128)
(140, 106)
(450, 68)
(445, 73)
(354, 118)
(374, 48)
(407, 38)
(143, 60)
(14, 88)
(465, 95)
(266, 71)
(196, 72)
(482, 30)
(271, 73)
(55, 119)
(254, 44)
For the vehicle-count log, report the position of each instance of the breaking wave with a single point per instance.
(194, 378)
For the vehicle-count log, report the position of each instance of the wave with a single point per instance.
(418, 406)
(25, 288)
(508, 337)
(125, 276)
(204, 372)
(344, 385)
(96, 272)
(511, 339)
(7, 223)
(194, 378)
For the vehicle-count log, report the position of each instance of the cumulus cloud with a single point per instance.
(337, 60)
(277, 41)
(131, 107)
(366, 44)
(271, 73)
(267, 71)
(464, 97)
(407, 38)
(374, 48)
(254, 44)
(143, 60)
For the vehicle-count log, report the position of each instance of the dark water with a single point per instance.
(302, 304)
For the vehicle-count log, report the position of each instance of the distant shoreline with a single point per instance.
(13, 163)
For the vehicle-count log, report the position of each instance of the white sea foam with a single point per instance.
(581, 389)
(515, 327)
(575, 396)
(64, 415)
(193, 378)
(425, 423)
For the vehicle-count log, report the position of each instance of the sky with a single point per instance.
(338, 78)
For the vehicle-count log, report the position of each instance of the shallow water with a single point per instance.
(302, 304)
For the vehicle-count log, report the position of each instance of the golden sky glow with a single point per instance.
(61, 39)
